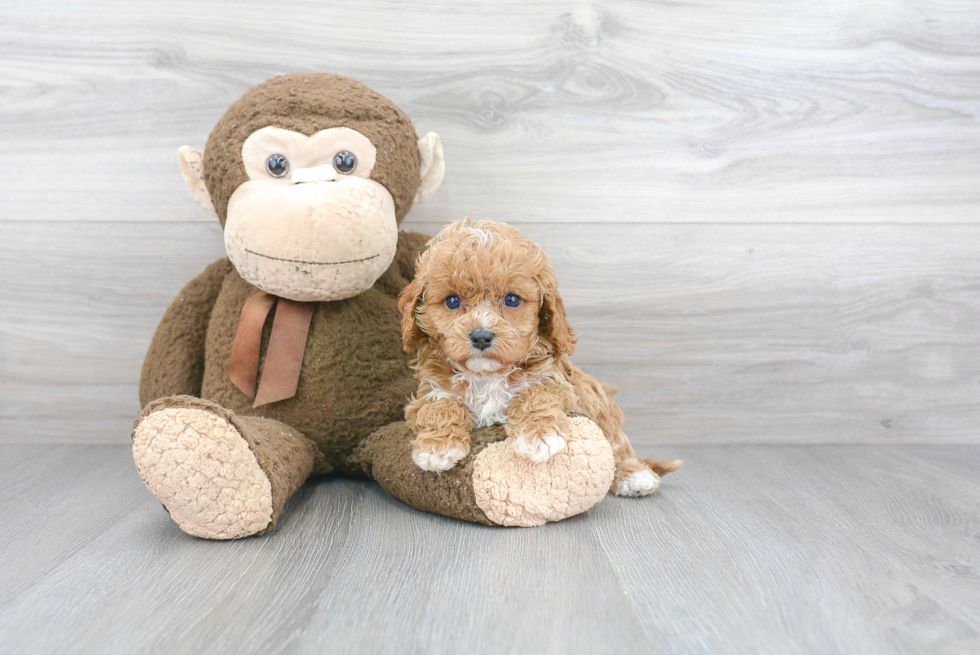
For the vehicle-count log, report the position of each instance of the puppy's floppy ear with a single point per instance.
(409, 299)
(551, 316)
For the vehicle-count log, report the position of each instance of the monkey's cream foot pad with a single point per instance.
(514, 491)
(202, 470)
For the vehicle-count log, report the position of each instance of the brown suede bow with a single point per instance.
(284, 358)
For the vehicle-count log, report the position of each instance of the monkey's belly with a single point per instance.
(355, 376)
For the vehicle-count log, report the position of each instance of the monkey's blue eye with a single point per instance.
(453, 302)
(277, 165)
(512, 300)
(344, 162)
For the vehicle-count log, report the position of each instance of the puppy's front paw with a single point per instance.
(536, 448)
(438, 453)
(539, 436)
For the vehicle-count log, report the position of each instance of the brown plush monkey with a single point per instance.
(284, 360)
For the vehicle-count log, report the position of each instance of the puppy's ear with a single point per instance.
(409, 299)
(551, 317)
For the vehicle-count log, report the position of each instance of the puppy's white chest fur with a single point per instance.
(486, 397)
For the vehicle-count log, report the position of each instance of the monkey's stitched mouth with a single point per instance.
(303, 261)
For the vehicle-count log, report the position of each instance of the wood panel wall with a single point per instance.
(765, 215)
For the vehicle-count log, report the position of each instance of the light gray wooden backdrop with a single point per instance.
(764, 214)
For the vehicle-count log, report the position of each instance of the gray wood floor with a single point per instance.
(750, 549)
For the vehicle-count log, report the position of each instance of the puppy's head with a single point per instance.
(486, 297)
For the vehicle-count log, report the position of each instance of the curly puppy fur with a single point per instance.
(508, 294)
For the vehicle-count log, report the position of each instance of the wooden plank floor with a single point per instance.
(761, 549)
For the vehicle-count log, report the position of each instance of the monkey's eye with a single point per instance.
(453, 302)
(344, 162)
(512, 300)
(277, 165)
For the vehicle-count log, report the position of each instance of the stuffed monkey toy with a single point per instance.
(284, 360)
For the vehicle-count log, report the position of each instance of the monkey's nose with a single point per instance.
(325, 173)
(481, 338)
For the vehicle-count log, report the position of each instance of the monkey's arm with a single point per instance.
(174, 364)
(402, 268)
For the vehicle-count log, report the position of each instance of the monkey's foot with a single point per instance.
(494, 485)
(219, 475)
(202, 470)
(514, 491)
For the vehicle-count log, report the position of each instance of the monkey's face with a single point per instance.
(310, 174)
(309, 224)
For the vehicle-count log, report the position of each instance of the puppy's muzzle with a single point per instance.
(481, 338)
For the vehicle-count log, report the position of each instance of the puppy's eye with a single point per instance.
(453, 302)
(344, 162)
(512, 300)
(277, 165)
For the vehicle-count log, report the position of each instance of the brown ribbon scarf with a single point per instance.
(284, 359)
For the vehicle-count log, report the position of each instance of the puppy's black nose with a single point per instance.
(482, 338)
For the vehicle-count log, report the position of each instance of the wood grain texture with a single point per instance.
(836, 111)
(714, 334)
(822, 549)
(763, 215)
(765, 219)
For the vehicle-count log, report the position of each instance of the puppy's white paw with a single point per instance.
(438, 462)
(538, 450)
(640, 483)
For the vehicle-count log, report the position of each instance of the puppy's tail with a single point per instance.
(663, 468)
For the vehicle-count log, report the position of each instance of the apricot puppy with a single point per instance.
(492, 342)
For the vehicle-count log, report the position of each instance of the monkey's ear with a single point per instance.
(192, 168)
(433, 166)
